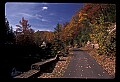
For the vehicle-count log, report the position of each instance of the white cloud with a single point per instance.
(52, 14)
(44, 8)
(44, 20)
(34, 28)
(36, 16)
(25, 14)
(40, 29)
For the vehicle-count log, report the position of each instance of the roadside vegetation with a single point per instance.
(94, 22)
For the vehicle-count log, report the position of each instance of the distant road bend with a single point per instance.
(83, 65)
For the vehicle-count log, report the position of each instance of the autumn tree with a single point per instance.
(71, 31)
(94, 10)
(24, 34)
(41, 36)
(66, 34)
(101, 26)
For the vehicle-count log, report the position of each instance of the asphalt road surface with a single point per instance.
(84, 66)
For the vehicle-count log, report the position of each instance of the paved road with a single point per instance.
(84, 66)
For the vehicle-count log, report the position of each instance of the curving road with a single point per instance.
(84, 66)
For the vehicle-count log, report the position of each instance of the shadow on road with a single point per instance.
(46, 68)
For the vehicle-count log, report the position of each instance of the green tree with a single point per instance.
(58, 43)
(9, 36)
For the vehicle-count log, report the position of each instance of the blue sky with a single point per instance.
(41, 16)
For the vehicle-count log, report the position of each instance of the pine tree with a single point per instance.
(9, 36)
(58, 43)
